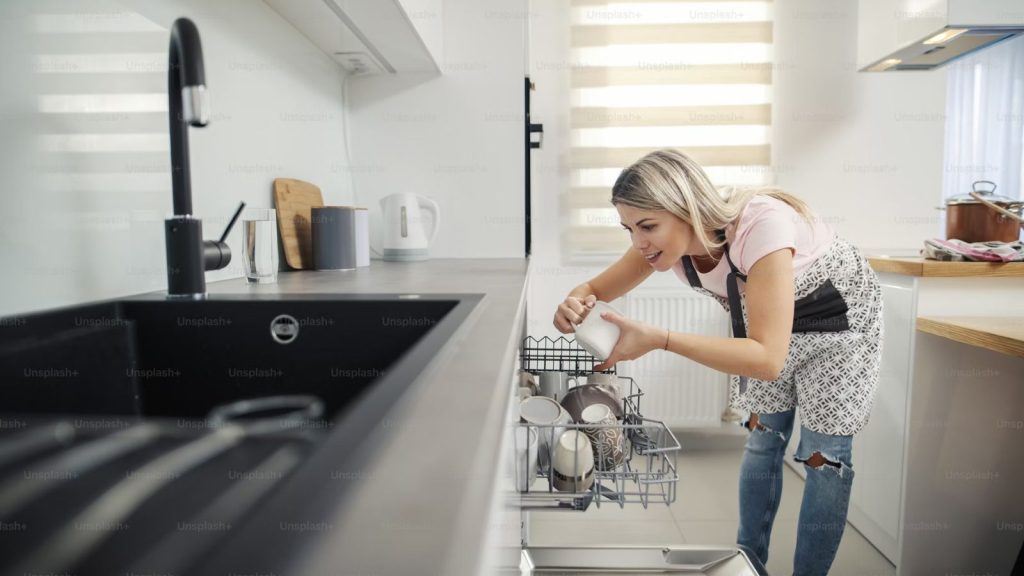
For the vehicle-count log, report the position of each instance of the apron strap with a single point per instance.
(739, 330)
(691, 273)
(732, 287)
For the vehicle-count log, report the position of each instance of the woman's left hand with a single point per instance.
(635, 340)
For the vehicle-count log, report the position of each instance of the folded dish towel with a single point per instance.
(958, 251)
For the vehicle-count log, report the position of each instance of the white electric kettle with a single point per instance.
(404, 239)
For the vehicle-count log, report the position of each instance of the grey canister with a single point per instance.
(334, 237)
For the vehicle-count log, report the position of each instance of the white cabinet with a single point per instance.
(425, 16)
(371, 36)
(878, 451)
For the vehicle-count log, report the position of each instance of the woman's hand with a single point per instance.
(572, 311)
(635, 340)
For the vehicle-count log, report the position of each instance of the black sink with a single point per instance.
(181, 359)
(74, 379)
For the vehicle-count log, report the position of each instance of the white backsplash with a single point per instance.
(86, 152)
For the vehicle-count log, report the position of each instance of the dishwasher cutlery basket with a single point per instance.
(647, 472)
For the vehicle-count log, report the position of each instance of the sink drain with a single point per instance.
(284, 329)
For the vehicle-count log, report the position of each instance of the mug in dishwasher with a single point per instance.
(573, 462)
(525, 465)
(606, 436)
(549, 418)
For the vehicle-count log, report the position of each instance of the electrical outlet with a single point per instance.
(358, 63)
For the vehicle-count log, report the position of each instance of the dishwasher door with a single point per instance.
(608, 560)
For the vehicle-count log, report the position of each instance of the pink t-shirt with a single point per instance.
(765, 225)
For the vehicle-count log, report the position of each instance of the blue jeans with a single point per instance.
(826, 491)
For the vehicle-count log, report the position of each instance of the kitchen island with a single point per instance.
(929, 479)
(429, 500)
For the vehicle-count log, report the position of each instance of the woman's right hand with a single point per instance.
(572, 311)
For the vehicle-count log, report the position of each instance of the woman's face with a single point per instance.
(662, 237)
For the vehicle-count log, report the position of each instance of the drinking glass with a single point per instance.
(259, 245)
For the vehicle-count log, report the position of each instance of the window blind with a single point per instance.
(101, 103)
(652, 74)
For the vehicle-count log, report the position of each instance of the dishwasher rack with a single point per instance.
(648, 472)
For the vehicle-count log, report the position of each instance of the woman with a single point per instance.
(806, 320)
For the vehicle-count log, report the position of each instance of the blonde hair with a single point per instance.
(670, 180)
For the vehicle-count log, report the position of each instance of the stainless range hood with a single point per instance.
(927, 34)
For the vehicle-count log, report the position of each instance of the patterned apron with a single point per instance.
(832, 367)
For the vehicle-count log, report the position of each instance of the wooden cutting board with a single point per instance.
(295, 201)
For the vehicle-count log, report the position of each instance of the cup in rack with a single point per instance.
(573, 462)
(605, 435)
(556, 384)
(524, 467)
(609, 382)
(550, 420)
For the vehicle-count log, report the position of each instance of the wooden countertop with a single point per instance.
(1004, 334)
(917, 266)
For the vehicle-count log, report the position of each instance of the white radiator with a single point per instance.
(678, 391)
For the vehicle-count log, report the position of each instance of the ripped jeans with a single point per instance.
(826, 491)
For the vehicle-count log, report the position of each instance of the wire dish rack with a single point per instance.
(647, 470)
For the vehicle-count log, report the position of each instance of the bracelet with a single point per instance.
(667, 333)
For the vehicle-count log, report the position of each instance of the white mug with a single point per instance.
(549, 418)
(597, 335)
(573, 462)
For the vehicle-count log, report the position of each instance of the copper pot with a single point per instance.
(970, 220)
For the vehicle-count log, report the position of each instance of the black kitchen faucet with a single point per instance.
(188, 255)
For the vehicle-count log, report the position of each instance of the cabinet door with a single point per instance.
(877, 496)
(878, 450)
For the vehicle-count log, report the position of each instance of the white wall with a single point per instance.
(864, 149)
(87, 225)
(455, 137)
(550, 278)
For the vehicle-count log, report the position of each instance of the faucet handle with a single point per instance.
(217, 253)
(231, 224)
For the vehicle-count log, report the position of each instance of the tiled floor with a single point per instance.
(705, 512)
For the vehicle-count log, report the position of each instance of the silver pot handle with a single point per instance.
(982, 191)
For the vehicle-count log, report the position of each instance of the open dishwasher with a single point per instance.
(645, 474)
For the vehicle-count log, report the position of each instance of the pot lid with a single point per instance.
(985, 188)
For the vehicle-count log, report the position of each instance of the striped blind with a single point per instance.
(100, 82)
(651, 74)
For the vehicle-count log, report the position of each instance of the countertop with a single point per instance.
(421, 505)
(917, 266)
(1004, 334)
